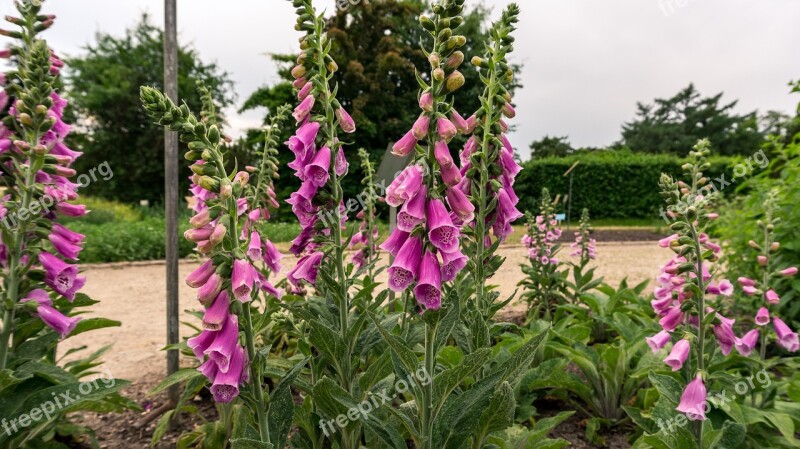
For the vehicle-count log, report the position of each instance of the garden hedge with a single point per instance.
(611, 184)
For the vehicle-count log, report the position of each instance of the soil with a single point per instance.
(134, 293)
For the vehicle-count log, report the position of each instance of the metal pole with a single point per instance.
(171, 191)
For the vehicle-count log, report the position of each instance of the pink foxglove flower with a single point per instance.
(452, 264)
(772, 297)
(747, 343)
(225, 342)
(60, 276)
(225, 386)
(786, 337)
(658, 341)
(762, 317)
(345, 121)
(421, 126)
(405, 145)
(429, 287)
(317, 172)
(413, 211)
(441, 231)
(791, 271)
(395, 241)
(693, 400)
(217, 314)
(678, 355)
(306, 269)
(403, 271)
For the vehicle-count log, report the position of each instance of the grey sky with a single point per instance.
(586, 62)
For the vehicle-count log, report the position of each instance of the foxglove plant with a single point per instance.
(39, 295)
(686, 286)
(426, 242)
(584, 248)
(228, 281)
(36, 163)
(367, 235)
(333, 320)
(764, 289)
(488, 164)
(544, 284)
(426, 246)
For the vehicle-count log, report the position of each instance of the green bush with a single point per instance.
(611, 184)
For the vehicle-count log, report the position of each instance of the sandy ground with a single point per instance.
(135, 294)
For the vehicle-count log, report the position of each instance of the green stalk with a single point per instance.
(16, 253)
(480, 223)
(427, 407)
(262, 405)
(701, 313)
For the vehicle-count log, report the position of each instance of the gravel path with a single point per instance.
(135, 295)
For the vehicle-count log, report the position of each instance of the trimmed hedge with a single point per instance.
(611, 184)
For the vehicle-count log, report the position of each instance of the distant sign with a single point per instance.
(561, 217)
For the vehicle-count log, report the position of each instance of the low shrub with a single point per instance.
(611, 184)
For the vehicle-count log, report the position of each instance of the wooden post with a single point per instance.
(171, 201)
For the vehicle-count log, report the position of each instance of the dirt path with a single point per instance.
(135, 295)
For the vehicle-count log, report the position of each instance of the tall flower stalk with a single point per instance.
(544, 284)
(36, 251)
(228, 281)
(367, 235)
(320, 165)
(683, 298)
(765, 292)
(426, 242)
(488, 161)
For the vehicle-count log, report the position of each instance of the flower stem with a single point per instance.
(262, 405)
(12, 286)
(427, 391)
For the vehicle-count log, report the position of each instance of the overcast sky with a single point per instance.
(586, 62)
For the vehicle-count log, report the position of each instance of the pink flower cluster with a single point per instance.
(541, 240)
(506, 211)
(362, 238)
(57, 199)
(223, 360)
(583, 245)
(786, 336)
(422, 218)
(313, 163)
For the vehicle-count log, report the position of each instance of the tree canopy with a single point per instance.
(673, 125)
(103, 86)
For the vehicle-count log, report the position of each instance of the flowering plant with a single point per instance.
(687, 302)
(41, 281)
(225, 227)
(545, 285)
(585, 249)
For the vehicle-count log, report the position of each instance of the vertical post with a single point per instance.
(171, 191)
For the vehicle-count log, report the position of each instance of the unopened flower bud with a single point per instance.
(762, 260)
(434, 60)
(332, 66)
(242, 178)
(298, 71)
(218, 234)
(454, 61)
(40, 149)
(775, 246)
(438, 74)
(25, 119)
(225, 190)
(454, 81)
